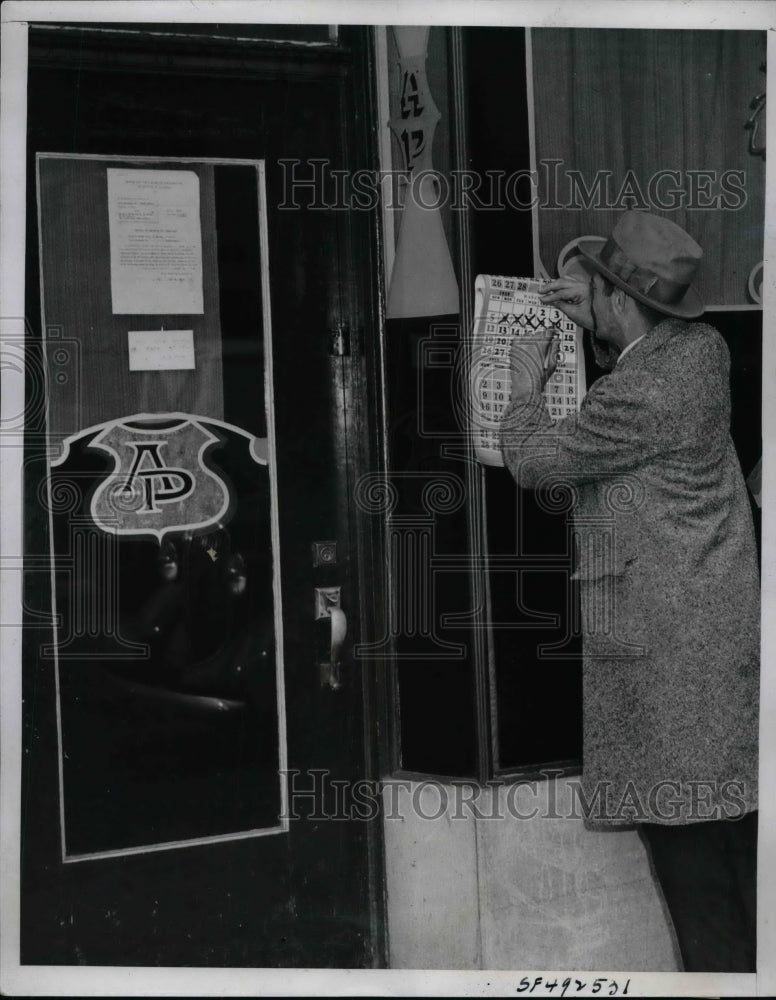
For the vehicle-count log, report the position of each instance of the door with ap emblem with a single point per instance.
(186, 716)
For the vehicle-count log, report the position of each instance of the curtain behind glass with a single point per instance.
(647, 101)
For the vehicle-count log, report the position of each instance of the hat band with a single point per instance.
(640, 279)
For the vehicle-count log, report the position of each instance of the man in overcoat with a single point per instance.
(668, 571)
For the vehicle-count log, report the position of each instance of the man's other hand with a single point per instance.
(532, 360)
(573, 296)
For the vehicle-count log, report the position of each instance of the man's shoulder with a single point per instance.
(674, 337)
(675, 360)
(680, 352)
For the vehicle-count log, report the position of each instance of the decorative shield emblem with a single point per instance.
(160, 482)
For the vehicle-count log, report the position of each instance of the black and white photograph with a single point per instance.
(387, 531)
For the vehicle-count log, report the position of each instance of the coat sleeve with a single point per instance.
(615, 430)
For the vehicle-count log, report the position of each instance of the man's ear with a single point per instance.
(620, 301)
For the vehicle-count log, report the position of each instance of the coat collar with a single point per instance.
(655, 339)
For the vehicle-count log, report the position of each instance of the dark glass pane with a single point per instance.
(435, 680)
(166, 654)
(499, 149)
(537, 656)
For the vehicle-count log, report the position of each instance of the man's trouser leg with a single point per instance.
(708, 874)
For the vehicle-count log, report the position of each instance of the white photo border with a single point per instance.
(69, 981)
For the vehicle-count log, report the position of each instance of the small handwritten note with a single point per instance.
(161, 350)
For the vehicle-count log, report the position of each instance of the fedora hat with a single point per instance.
(652, 259)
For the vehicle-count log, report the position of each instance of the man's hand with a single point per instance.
(573, 296)
(532, 360)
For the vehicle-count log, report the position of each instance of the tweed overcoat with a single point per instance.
(669, 583)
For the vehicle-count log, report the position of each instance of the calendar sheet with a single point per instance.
(505, 308)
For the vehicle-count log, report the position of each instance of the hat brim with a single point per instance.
(577, 266)
(689, 306)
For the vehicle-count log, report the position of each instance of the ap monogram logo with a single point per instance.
(160, 482)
